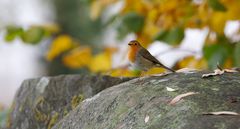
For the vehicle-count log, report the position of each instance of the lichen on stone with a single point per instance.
(53, 120)
(76, 100)
(39, 116)
(65, 112)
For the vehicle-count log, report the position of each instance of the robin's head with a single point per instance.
(134, 43)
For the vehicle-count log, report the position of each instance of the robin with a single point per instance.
(141, 59)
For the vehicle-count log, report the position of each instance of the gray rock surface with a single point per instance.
(129, 105)
(41, 103)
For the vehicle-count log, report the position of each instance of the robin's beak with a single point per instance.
(129, 44)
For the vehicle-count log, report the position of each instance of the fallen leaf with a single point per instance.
(222, 113)
(179, 97)
(187, 70)
(216, 72)
(192, 62)
(230, 70)
(146, 119)
(171, 89)
(219, 71)
(236, 69)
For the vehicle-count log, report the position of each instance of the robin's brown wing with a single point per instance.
(144, 53)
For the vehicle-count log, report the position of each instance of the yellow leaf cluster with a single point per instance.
(217, 20)
(167, 14)
(159, 15)
(83, 57)
(59, 45)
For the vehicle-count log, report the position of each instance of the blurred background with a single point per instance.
(52, 37)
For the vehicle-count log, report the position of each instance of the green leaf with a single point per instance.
(130, 22)
(9, 37)
(173, 36)
(122, 32)
(33, 35)
(133, 21)
(216, 5)
(110, 20)
(215, 54)
(236, 55)
(12, 32)
(161, 35)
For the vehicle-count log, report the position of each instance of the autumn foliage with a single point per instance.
(149, 20)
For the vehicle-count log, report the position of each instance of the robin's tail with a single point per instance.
(165, 67)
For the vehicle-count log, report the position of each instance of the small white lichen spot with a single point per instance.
(146, 119)
(41, 85)
(171, 89)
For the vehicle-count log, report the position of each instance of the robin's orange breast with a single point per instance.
(132, 54)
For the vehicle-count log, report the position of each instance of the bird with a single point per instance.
(141, 59)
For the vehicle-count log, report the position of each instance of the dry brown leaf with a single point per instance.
(222, 113)
(236, 69)
(216, 72)
(230, 70)
(179, 97)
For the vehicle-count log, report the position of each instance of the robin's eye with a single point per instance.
(135, 44)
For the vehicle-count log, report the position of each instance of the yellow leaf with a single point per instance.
(150, 28)
(218, 21)
(192, 62)
(152, 15)
(101, 62)
(233, 9)
(52, 28)
(155, 71)
(123, 73)
(78, 57)
(134, 5)
(59, 45)
(168, 5)
(97, 7)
